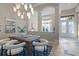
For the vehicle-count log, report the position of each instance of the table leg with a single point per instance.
(30, 48)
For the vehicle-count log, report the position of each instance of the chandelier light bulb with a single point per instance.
(32, 10)
(18, 6)
(19, 13)
(14, 9)
(22, 16)
(28, 14)
(30, 6)
(25, 7)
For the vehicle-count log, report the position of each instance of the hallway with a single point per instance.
(66, 47)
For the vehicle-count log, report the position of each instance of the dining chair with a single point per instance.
(41, 45)
(2, 42)
(14, 48)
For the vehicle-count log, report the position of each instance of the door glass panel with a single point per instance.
(63, 25)
(70, 27)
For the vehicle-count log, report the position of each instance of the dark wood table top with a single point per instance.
(26, 38)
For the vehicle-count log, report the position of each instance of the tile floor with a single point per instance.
(65, 47)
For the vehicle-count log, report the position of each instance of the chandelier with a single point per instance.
(22, 9)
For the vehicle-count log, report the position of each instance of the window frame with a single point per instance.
(48, 18)
(67, 25)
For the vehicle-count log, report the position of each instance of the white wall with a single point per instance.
(33, 21)
(48, 10)
(6, 11)
(77, 17)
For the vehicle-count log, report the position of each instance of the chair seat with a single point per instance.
(15, 51)
(40, 48)
(3, 41)
(1, 47)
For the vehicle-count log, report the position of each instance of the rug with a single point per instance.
(25, 52)
(41, 53)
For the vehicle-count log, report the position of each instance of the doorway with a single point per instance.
(67, 26)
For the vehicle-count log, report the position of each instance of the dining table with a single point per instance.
(28, 39)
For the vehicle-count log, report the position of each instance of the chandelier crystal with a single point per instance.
(22, 9)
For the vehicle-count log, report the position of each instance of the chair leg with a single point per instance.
(44, 51)
(36, 52)
(10, 52)
(47, 50)
(5, 52)
(33, 50)
(2, 50)
(24, 51)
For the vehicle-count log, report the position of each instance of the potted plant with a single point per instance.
(22, 30)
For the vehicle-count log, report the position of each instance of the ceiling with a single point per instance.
(62, 6)
(66, 6)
